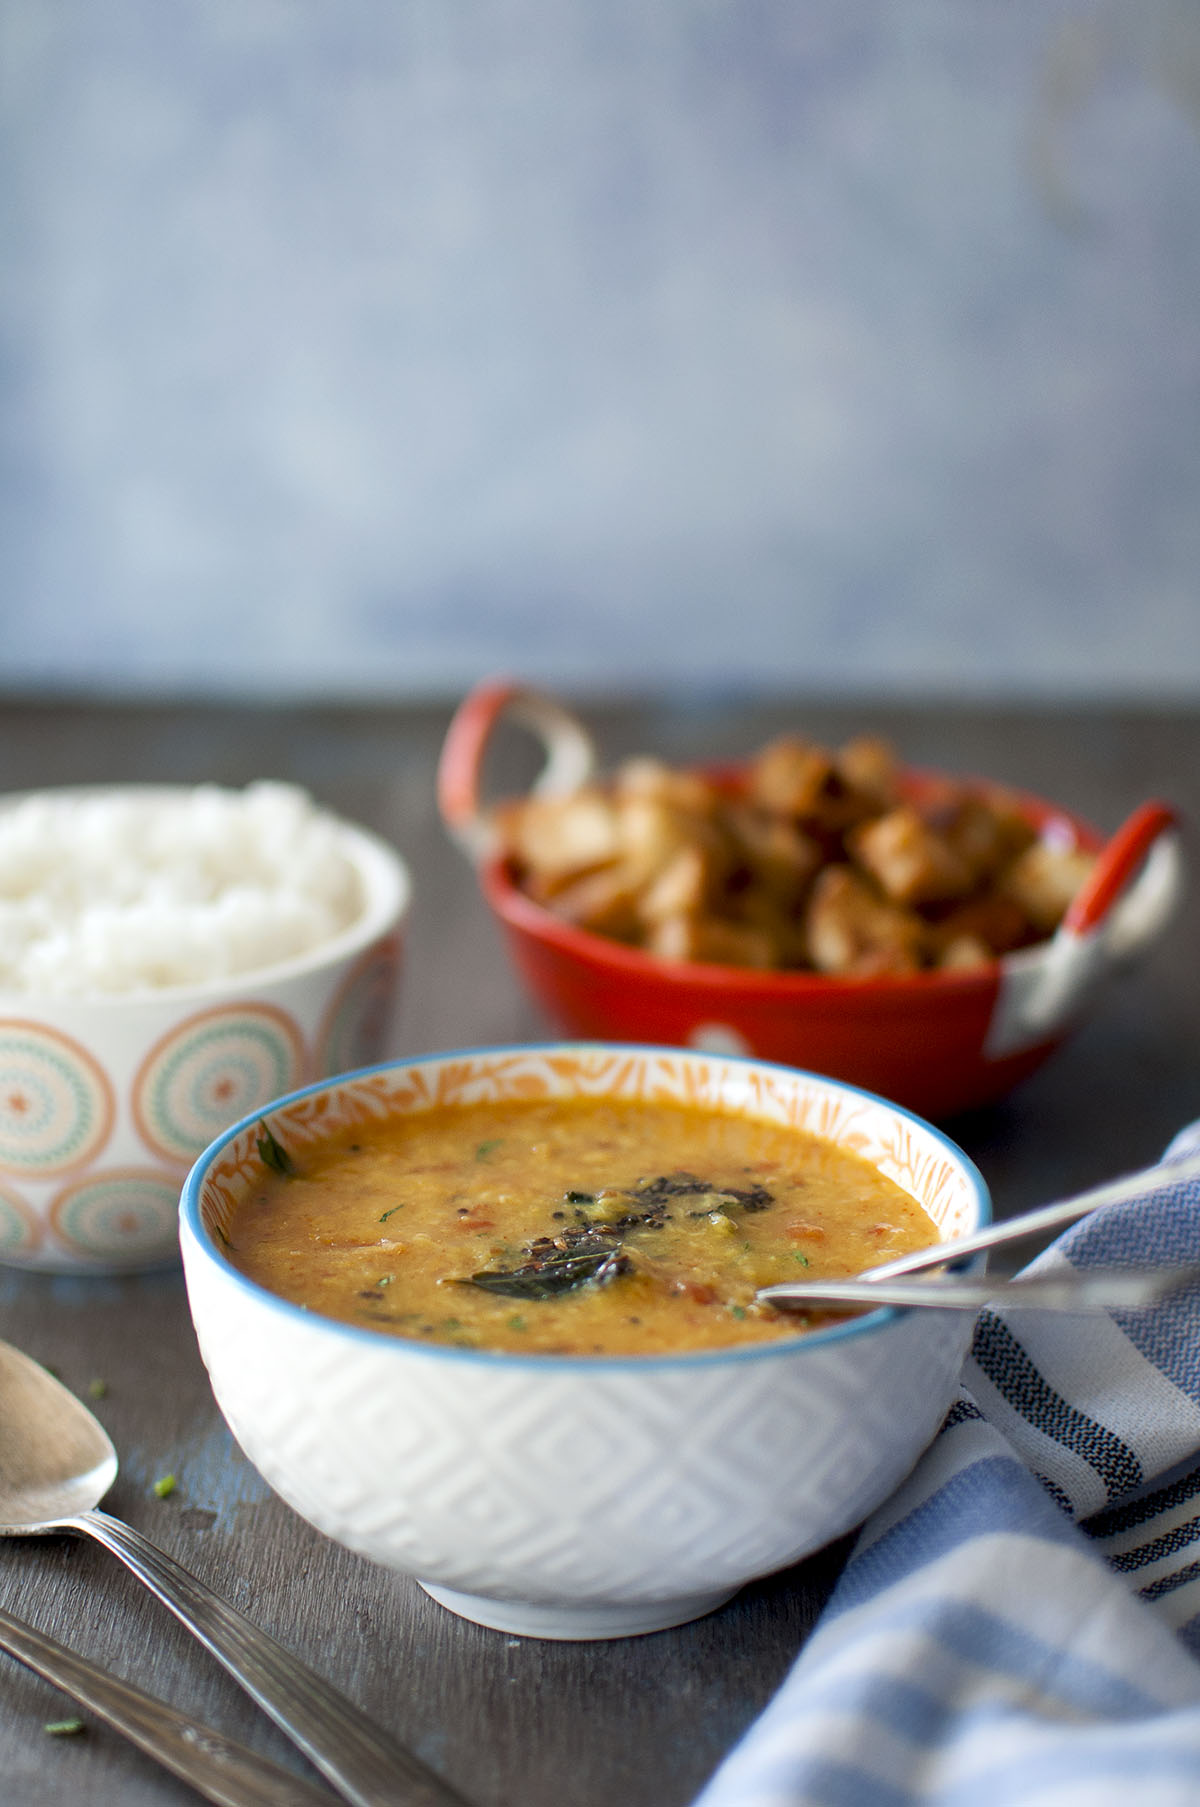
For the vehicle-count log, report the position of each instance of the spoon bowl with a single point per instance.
(56, 1459)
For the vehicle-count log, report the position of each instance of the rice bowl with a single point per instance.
(117, 1069)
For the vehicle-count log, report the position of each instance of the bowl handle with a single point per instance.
(1124, 902)
(1119, 861)
(570, 756)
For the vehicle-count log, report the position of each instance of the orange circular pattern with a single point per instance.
(56, 1101)
(212, 1069)
(125, 1214)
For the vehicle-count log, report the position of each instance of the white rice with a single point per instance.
(118, 891)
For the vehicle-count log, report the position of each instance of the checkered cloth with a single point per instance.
(1020, 1625)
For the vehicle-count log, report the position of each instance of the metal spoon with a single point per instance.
(218, 1767)
(1070, 1289)
(1104, 1287)
(1044, 1220)
(56, 1465)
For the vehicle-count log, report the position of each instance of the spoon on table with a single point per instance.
(1079, 1288)
(57, 1463)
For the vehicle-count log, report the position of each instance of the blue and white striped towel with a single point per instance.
(1020, 1625)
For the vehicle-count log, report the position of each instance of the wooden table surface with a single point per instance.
(512, 1723)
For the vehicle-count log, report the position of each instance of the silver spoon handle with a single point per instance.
(361, 1760)
(1046, 1218)
(221, 1769)
(1070, 1289)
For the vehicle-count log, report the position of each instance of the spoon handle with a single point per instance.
(1045, 1219)
(221, 1769)
(1068, 1289)
(361, 1760)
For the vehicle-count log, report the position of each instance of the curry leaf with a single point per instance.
(272, 1153)
(545, 1279)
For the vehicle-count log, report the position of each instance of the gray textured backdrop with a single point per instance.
(364, 346)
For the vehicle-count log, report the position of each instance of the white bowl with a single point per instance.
(105, 1101)
(568, 1497)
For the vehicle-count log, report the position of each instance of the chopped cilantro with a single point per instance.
(97, 1389)
(485, 1148)
(391, 1211)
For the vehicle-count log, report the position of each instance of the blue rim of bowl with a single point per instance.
(190, 1217)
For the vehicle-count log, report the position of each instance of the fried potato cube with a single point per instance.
(850, 929)
(651, 833)
(682, 888)
(711, 940)
(1043, 881)
(650, 778)
(556, 836)
(963, 953)
(789, 777)
(755, 907)
(989, 919)
(981, 838)
(985, 830)
(908, 859)
(605, 901)
(796, 779)
(868, 765)
(778, 857)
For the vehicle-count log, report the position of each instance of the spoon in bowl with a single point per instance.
(57, 1463)
(1067, 1289)
(1076, 1289)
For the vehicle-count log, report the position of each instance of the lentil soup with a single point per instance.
(566, 1226)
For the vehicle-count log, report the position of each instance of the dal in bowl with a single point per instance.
(584, 1485)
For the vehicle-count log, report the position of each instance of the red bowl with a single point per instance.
(936, 1042)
